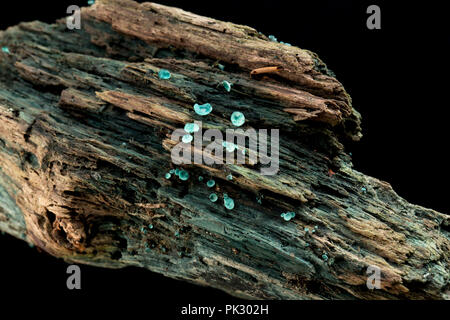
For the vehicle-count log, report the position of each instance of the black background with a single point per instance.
(397, 77)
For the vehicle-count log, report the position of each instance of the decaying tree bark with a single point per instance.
(85, 127)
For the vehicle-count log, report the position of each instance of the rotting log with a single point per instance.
(85, 140)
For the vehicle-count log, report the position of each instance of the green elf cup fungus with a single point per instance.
(203, 110)
(213, 197)
(228, 203)
(164, 74)
(183, 175)
(237, 118)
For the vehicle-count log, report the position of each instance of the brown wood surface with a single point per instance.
(85, 127)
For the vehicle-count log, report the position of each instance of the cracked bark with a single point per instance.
(85, 143)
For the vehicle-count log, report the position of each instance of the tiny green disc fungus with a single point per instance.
(324, 257)
(5, 50)
(202, 109)
(229, 146)
(183, 175)
(168, 176)
(211, 183)
(228, 203)
(226, 85)
(200, 178)
(191, 127)
(237, 118)
(150, 226)
(91, 2)
(213, 197)
(230, 177)
(287, 216)
(221, 66)
(187, 138)
(273, 38)
(164, 74)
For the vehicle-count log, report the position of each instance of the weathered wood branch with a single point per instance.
(85, 143)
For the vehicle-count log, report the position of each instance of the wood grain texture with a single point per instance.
(85, 143)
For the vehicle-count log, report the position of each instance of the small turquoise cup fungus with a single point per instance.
(183, 175)
(191, 127)
(211, 183)
(202, 109)
(229, 146)
(187, 138)
(237, 118)
(227, 85)
(230, 177)
(200, 178)
(5, 50)
(164, 74)
(213, 197)
(287, 216)
(228, 203)
(168, 176)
